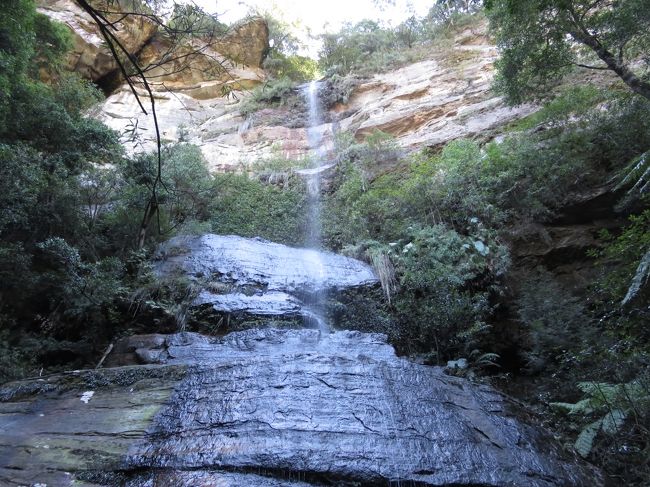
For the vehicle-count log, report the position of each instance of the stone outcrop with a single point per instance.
(195, 84)
(89, 55)
(253, 277)
(271, 408)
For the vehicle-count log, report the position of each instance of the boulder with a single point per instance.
(89, 55)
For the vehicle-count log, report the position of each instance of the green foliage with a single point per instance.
(468, 190)
(250, 208)
(538, 40)
(190, 20)
(53, 40)
(450, 11)
(437, 277)
(185, 192)
(276, 92)
(293, 67)
(28, 42)
(438, 282)
(626, 251)
(358, 210)
(501, 182)
(572, 102)
(278, 170)
(611, 404)
(368, 47)
(283, 60)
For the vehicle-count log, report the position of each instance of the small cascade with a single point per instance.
(245, 126)
(314, 317)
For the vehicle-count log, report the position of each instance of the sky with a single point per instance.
(318, 16)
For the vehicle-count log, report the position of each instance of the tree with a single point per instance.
(541, 40)
(353, 45)
(444, 11)
(409, 32)
(283, 59)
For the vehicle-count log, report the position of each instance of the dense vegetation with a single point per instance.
(72, 204)
(441, 227)
(369, 47)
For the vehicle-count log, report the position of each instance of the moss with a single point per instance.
(89, 379)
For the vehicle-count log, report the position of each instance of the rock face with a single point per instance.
(257, 277)
(427, 103)
(198, 98)
(89, 56)
(271, 408)
(196, 94)
(195, 85)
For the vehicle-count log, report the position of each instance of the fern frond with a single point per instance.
(583, 407)
(635, 177)
(640, 280)
(562, 407)
(613, 421)
(585, 441)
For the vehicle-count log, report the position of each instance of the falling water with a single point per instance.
(315, 315)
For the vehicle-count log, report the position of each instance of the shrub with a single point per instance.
(250, 208)
(438, 283)
(276, 92)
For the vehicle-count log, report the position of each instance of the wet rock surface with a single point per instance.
(258, 277)
(271, 408)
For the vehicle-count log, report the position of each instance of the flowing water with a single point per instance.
(315, 316)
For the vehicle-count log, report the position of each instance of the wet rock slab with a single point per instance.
(272, 407)
(258, 277)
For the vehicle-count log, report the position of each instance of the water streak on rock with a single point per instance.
(315, 313)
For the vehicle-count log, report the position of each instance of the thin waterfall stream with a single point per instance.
(314, 314)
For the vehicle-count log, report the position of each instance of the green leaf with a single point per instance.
(613, 421)
(585, 441)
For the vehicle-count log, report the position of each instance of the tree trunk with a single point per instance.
(636, 84)
(149, 212)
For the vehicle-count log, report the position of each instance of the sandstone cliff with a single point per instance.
(428, 103)
(89, 56)
(424, 104)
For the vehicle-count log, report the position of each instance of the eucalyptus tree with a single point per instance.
(542, 40)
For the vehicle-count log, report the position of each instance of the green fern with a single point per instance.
(585, 441)
(610, 403)
(636, 178)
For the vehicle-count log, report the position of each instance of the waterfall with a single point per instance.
(314, 317)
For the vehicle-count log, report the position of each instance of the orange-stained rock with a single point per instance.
(89, 55)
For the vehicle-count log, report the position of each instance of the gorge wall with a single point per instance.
(428, 103)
